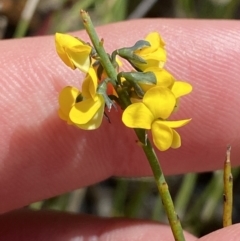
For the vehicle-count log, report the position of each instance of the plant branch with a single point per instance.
(146, 145)
(228, 186)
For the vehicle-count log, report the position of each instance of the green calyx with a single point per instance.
(128, 52)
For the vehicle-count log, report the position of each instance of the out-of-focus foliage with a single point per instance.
(38, 17)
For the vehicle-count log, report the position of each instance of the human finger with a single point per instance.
(40, 156)
(229, 233)
(44, 225)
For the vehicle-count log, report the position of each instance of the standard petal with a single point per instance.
(62, 42)
(66, 40)
(137, 115)
(181, 88)
(155, 40)
(160, 101)
(155, 55)
(176, 124)
(67, 99)
(73, 52)
(176, 142)
(82, 112)
(162, 135)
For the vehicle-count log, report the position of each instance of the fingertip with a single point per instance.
(230, 233)
(49, 225)
(42, 157)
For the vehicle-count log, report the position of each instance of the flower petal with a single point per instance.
(159, 55)
(164, 78)
(61, 41)
(162, 135)
(79, 55)
(82, 112)
(67, 99)
(176, 124)
(156, 59)
(156, 42)
(73, 52)
(155, 55)
(95, 122)
(137, 115)
(181, 88)
(176, 142)
(160, 101)
(64, 117)
(146, 87)
(89, 85)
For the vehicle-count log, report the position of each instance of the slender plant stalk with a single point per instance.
(228, 186)
(147, 147)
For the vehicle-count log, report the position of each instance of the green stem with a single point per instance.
(228, 186)
(162, 188)
(147, 147)
(98, 44)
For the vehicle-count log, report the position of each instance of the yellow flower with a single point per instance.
(84, 110)
(157, 105)
(164, 79)
(155, 55)
(73, 52)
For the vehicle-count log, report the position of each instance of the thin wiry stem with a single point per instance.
(146, 145)
(228, 188)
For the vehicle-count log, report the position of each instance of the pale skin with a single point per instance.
(41, 156)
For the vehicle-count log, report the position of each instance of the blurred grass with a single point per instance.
(198, 201)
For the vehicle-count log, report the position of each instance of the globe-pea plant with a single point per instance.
(148, 95)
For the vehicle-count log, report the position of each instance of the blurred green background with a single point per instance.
(198, 197)
(39, 17)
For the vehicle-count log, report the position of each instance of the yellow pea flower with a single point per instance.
(164, 79)
(155, 55)
(152, 113)
(84, 110)
(73, 52)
